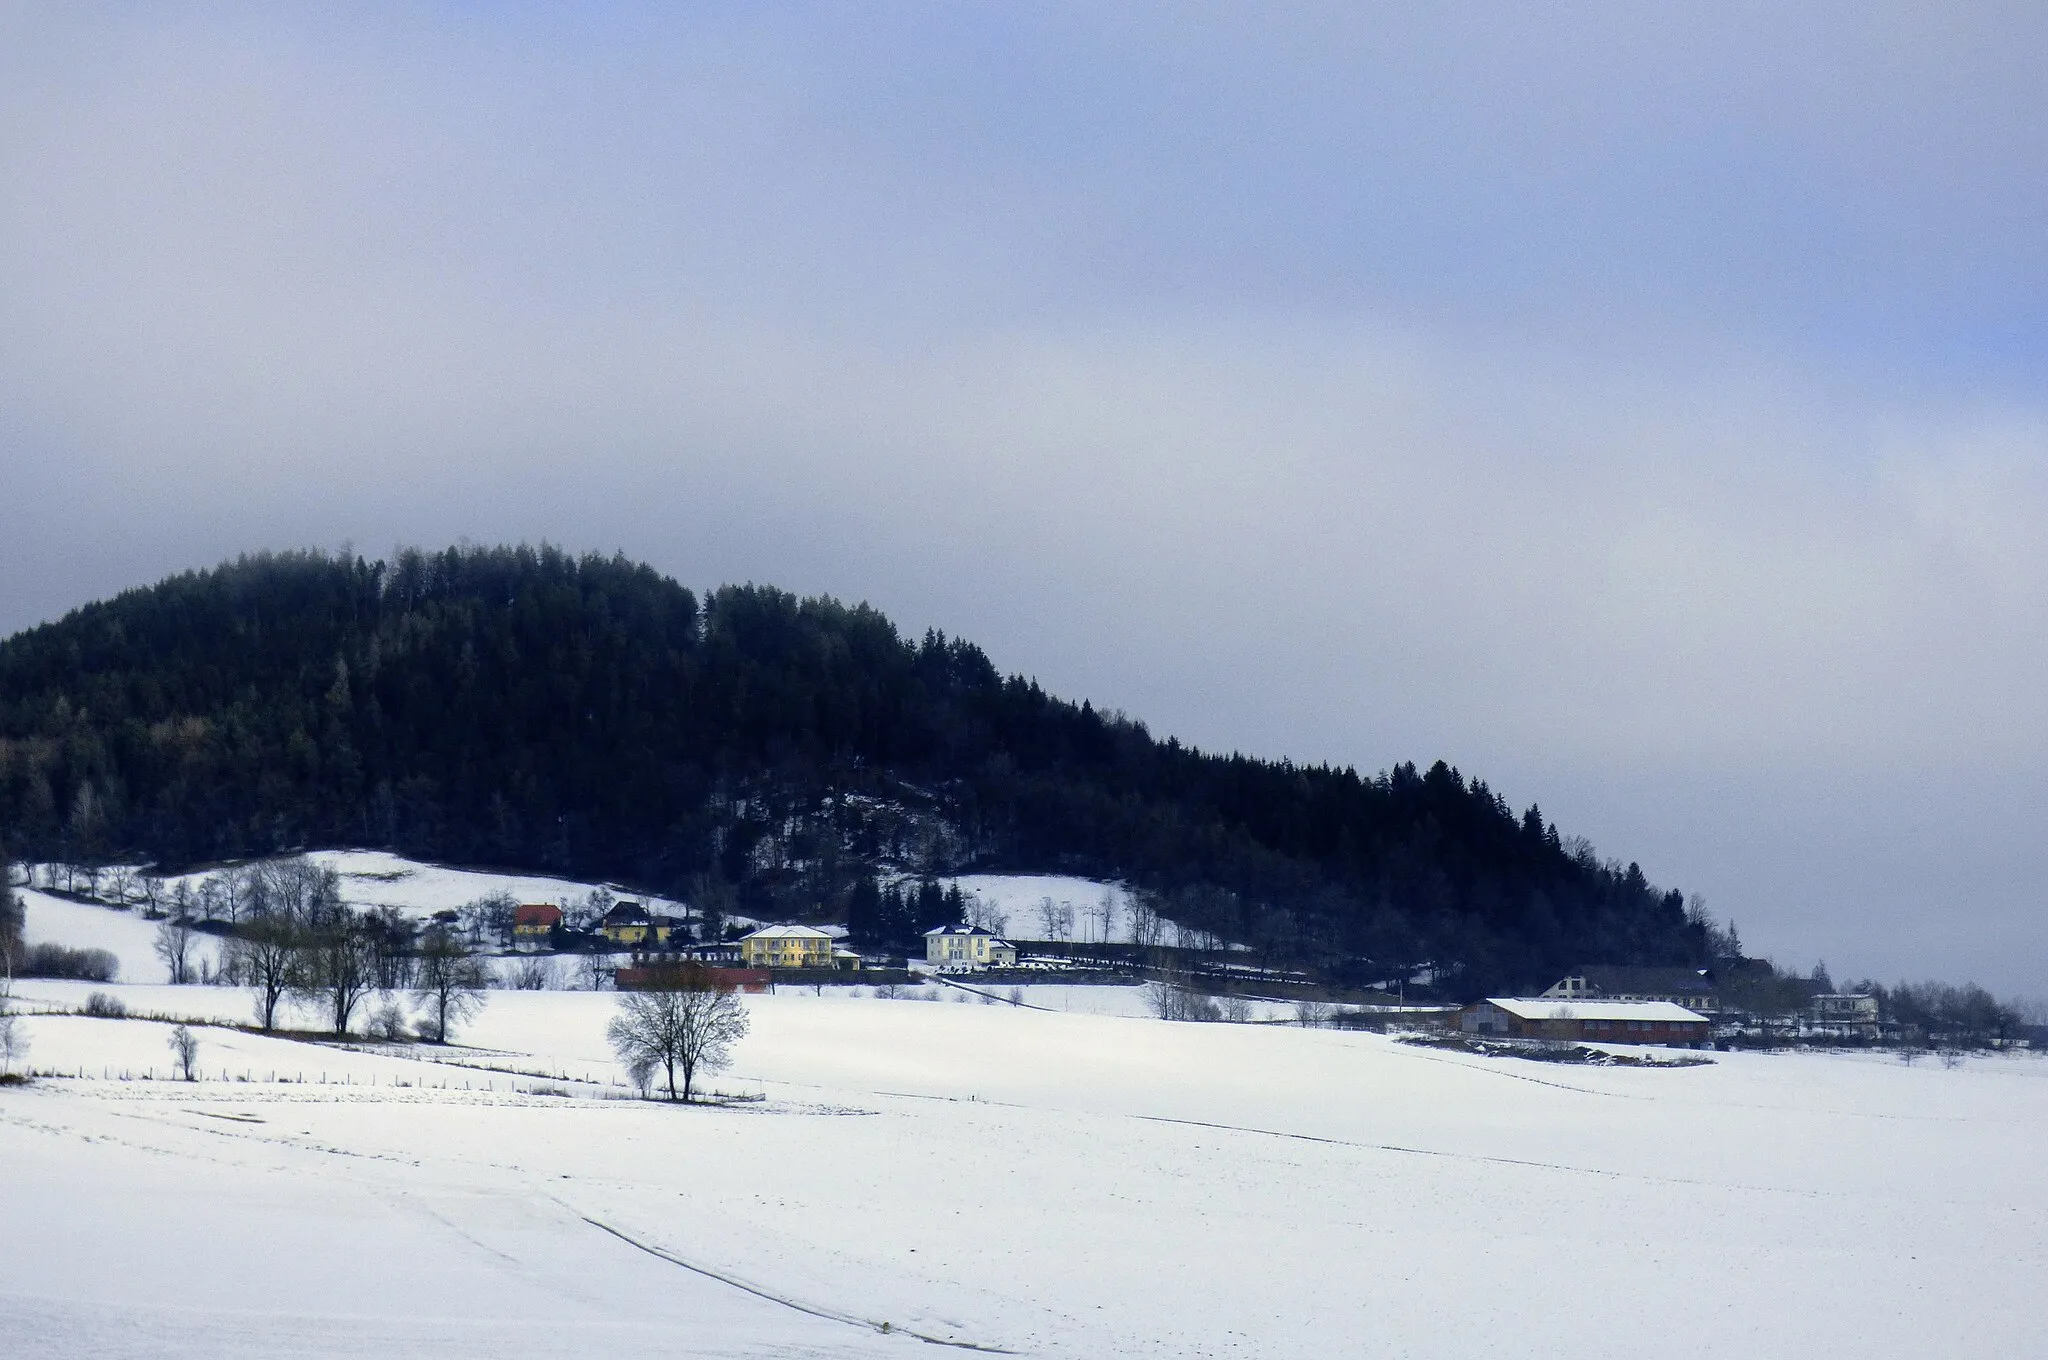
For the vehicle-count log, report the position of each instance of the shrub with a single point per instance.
(55, 961)
(105, 1006)
(387, 1023)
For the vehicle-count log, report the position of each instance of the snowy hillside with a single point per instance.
(1058, 907)
(124, 934)
(377, 878)
(1046, 1184)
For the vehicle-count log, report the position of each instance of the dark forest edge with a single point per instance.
(756, 752)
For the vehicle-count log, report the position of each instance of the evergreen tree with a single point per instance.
(586, 716)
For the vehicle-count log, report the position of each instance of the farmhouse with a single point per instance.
(791, 947)
(629, 924)
(967, 947)
(1606, 1022)
(535, 923)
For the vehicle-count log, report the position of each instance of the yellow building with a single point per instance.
(629, 924)
(535, 924)
(789, 947)
(969, 947)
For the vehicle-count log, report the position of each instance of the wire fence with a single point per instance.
(523, 1084)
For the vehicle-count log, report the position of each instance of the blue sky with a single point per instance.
(1641, 407)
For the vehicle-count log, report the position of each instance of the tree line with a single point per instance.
(288, 936)
(524, 708)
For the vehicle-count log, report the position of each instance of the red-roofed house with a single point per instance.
(535, 924)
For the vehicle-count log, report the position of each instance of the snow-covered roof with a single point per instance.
(957, 930)
(1554, 1008)
(786, 933)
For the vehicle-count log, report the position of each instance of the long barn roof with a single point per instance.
(1556, 1008)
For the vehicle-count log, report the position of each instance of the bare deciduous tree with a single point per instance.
(691, 1023)
(1048, 918)
(265, 958)
(184, 1046)
(340, 968)
(534, 974)
(490, 916)
(449, 981)
(1146, 923)
(13, 1042)
(174, 946)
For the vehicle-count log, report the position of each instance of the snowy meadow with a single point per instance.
(882, 1174)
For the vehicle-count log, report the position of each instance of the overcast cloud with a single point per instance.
(1646, 412)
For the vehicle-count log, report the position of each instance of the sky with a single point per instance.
(1643, 408)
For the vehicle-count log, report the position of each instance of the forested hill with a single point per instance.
(528, 709)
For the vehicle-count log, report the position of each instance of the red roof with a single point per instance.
(540, 915)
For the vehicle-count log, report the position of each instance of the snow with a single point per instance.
(1009, 905)
(1049, 1182)
(378, 878)
(1550, 1008)
(127, 935)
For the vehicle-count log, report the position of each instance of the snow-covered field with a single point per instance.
(377, 878)
(1045, 1183)
(126, 935)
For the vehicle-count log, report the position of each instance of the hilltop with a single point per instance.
(587, 717)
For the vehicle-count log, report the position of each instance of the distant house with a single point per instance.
(1692, 988)
(1605, 1022)
(535, 924)
(789, 947)
(725, 953)
(1842, 1015)
(629, 924)
(967, 947)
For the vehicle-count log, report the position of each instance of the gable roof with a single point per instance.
(786, 933)
(1623, 980)
(537, 914)
(626, 914)
(1554, 1008)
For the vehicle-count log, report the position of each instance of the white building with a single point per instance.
(967, 947)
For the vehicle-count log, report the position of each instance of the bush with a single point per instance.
(387, 1023)
(81, 965)
(105, 1006)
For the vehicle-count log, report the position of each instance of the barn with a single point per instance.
(1596, 1022)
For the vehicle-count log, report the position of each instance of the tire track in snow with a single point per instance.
(1496, 1160)
(813, 1310)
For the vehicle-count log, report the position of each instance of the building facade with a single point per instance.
(967, 947)
(788, 947)
(1605, 1022)
(534, 924)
